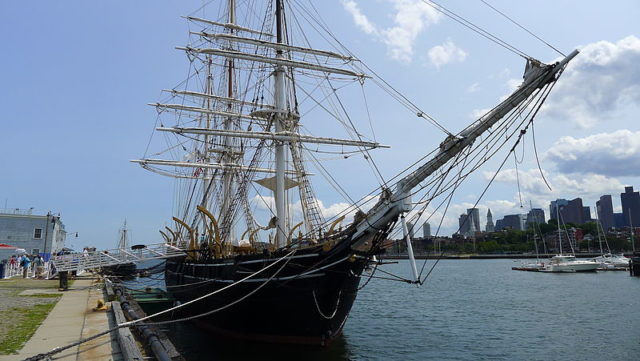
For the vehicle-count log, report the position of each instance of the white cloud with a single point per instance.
(411, 18)
(473, 88)
(446, 53)
(478, 113)
(602, 79)
(511, 85)
(612, 154)
(588, 186)
(359, 18)
(328, 212)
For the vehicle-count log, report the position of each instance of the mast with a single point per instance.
(633, 243)
(281, 213)
(123, 242)
(559, 233)
(598, 226)
(228, 155)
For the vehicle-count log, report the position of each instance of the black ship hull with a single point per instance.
(304, 298)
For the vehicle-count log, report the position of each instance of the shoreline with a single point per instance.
(484, 256)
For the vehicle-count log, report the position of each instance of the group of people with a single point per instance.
(26, 262)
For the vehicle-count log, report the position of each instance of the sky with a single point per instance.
(77, 76)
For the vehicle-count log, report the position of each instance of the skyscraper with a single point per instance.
(475, 218)
(604, 209)
(469, 223)
(535, 215)
(464, 224)
(586, 214)
(555, 205)
(571, 211)
(630, 201)
(513, 221)
(489, 226)
(426, 230)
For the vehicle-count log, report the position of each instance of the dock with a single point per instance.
(75, 318)
(526, 268)
(70, 320)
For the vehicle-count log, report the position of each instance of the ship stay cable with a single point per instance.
(455, 162)
(522, 27)
(494, 135)
(533, 111)
(368, 156)
(535, 149)
(530, 122)
(497, 136)
(539, 75)
(475, 28)
(401, 98)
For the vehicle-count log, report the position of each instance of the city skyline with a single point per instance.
(538, 213)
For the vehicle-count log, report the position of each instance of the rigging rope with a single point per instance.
(475, 28)
(522, 27)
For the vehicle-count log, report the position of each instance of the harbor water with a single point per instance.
(467, 310)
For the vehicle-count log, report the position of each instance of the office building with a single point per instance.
(554, 206)
(426, 230)
(513, 221)
(586, 214)
(475, 218)
(630, 202)
(535, 216)
(604, 210)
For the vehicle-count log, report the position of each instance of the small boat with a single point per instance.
(613, 262)
(569, 263)
(608, 261)
(561, 263)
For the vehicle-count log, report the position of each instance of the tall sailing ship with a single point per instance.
(237, 145)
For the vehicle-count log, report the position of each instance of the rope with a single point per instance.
(475, 28)
(523, 28)
(318, 306)
(47, 355)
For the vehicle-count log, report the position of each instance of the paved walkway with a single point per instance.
(71, 319)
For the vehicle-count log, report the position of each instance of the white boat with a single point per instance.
(569, 263)
(607, 260)
(612, 261)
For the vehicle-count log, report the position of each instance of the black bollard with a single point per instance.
(64, 280)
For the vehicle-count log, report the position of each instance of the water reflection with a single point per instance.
(196, 345)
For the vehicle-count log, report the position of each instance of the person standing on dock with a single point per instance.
(38, 263)
(13, 262)
(25, 263)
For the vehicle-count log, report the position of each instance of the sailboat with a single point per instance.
(563, 263)
(238, 144)
(123, 270)
(609, 261)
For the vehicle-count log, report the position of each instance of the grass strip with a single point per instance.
(27, 321)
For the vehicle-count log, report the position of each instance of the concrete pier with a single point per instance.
(72, 319)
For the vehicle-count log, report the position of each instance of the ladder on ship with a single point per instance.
(113, 257)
